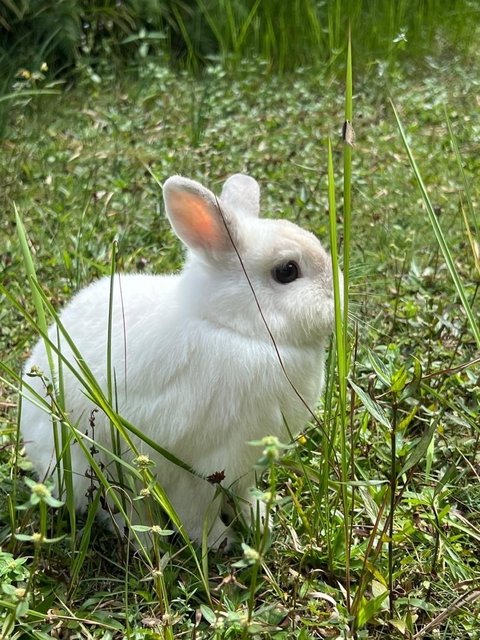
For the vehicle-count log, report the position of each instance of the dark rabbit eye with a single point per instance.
(285, 273)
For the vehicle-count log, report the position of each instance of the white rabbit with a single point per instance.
(195, 366)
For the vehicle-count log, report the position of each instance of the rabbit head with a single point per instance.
(233, 253)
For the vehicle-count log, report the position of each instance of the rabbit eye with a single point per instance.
(286, 273)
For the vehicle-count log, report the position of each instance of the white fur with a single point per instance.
(195, 367)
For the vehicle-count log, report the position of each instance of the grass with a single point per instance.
(376, 513)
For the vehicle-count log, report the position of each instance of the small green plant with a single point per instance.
(18, 578)
(14, 598)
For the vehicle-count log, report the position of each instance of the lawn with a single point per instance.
(394, 553)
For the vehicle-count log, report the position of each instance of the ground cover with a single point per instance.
(82, 169)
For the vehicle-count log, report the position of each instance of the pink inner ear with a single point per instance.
(195, 221)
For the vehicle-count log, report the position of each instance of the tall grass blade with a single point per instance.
(341, 366)
(338, 417)
(84, 546)
(347, 219)
(61, 436)
(336, 277)
(29, 93)
(192, 58)
(347, 187)
(215, 25)
(466, 185)
(471, 217)
(439, 235)
(32, 277)
(111, 395)
(239, 43)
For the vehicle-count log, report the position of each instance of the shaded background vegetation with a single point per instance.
(97, 97)
(65, 33)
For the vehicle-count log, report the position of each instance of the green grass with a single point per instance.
(376, 509)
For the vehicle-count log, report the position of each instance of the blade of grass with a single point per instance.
(239, 42)
(347, 218)
(32, 277)
(114, 433)
(84, 546)
(341, 366)
(466, 185)
(192, 60)
(29, 93)
(468, 197)
(61, 437)
(215, 26)
(347, 190)
(439, 235)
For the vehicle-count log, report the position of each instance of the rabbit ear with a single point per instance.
(195, 215)
(241, 193)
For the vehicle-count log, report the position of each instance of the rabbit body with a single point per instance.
(194, 365)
